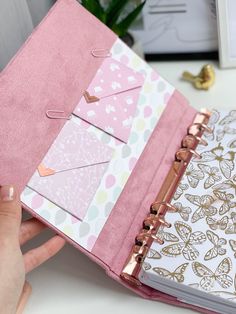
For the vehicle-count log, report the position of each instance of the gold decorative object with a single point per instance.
(204, 80)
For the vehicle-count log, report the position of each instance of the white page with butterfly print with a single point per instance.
(199, 250)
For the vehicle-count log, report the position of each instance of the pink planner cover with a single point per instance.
(52, 72)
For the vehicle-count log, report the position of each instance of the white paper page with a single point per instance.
(199, 249)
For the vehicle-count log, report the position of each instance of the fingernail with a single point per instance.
(7, 193)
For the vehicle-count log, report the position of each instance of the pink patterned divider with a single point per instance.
(117, 88)
(75, 159)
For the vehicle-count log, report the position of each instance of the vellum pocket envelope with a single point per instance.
(75, 159)
(110, 102)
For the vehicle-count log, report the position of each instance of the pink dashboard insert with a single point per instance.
(74, 161)
(111, 99)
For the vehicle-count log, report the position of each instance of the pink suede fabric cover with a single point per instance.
(51, 71)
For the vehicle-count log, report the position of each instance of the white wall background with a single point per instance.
(38, 9)
(17, 20)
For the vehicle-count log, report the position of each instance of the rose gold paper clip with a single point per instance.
(53, 114)
(101, 53)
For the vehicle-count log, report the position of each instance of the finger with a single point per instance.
(29, 229)
(10, 212)
(26, 292)
(37, 256)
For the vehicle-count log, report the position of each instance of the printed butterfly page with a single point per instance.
(199, 248)
(110, 102)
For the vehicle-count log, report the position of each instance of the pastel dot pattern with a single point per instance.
(152, 101)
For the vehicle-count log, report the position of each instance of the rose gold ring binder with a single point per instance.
(189, 141)
(162, 204)
(202, 126)
(183, 153)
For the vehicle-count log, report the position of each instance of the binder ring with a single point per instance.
(150, 220)
(190, 139)
(203, 126)
(186, 150)
(139, 258)
(144, 235)
(205, 114)
(200, 140)
(101, 53)
(158, 212)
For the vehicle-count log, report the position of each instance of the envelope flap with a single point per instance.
(114, 77)
(74, 148)
(111, 100)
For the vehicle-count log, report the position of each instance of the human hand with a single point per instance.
(13, 264)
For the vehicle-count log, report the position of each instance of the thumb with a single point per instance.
(10, 213)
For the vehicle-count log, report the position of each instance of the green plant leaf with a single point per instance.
(121, 28)
(95, 8)
(114, 10)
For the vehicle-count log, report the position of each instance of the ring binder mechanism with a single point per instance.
(162, 203)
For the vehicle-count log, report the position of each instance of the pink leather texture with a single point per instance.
(51, 71)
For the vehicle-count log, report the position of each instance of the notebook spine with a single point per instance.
(162, 204)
